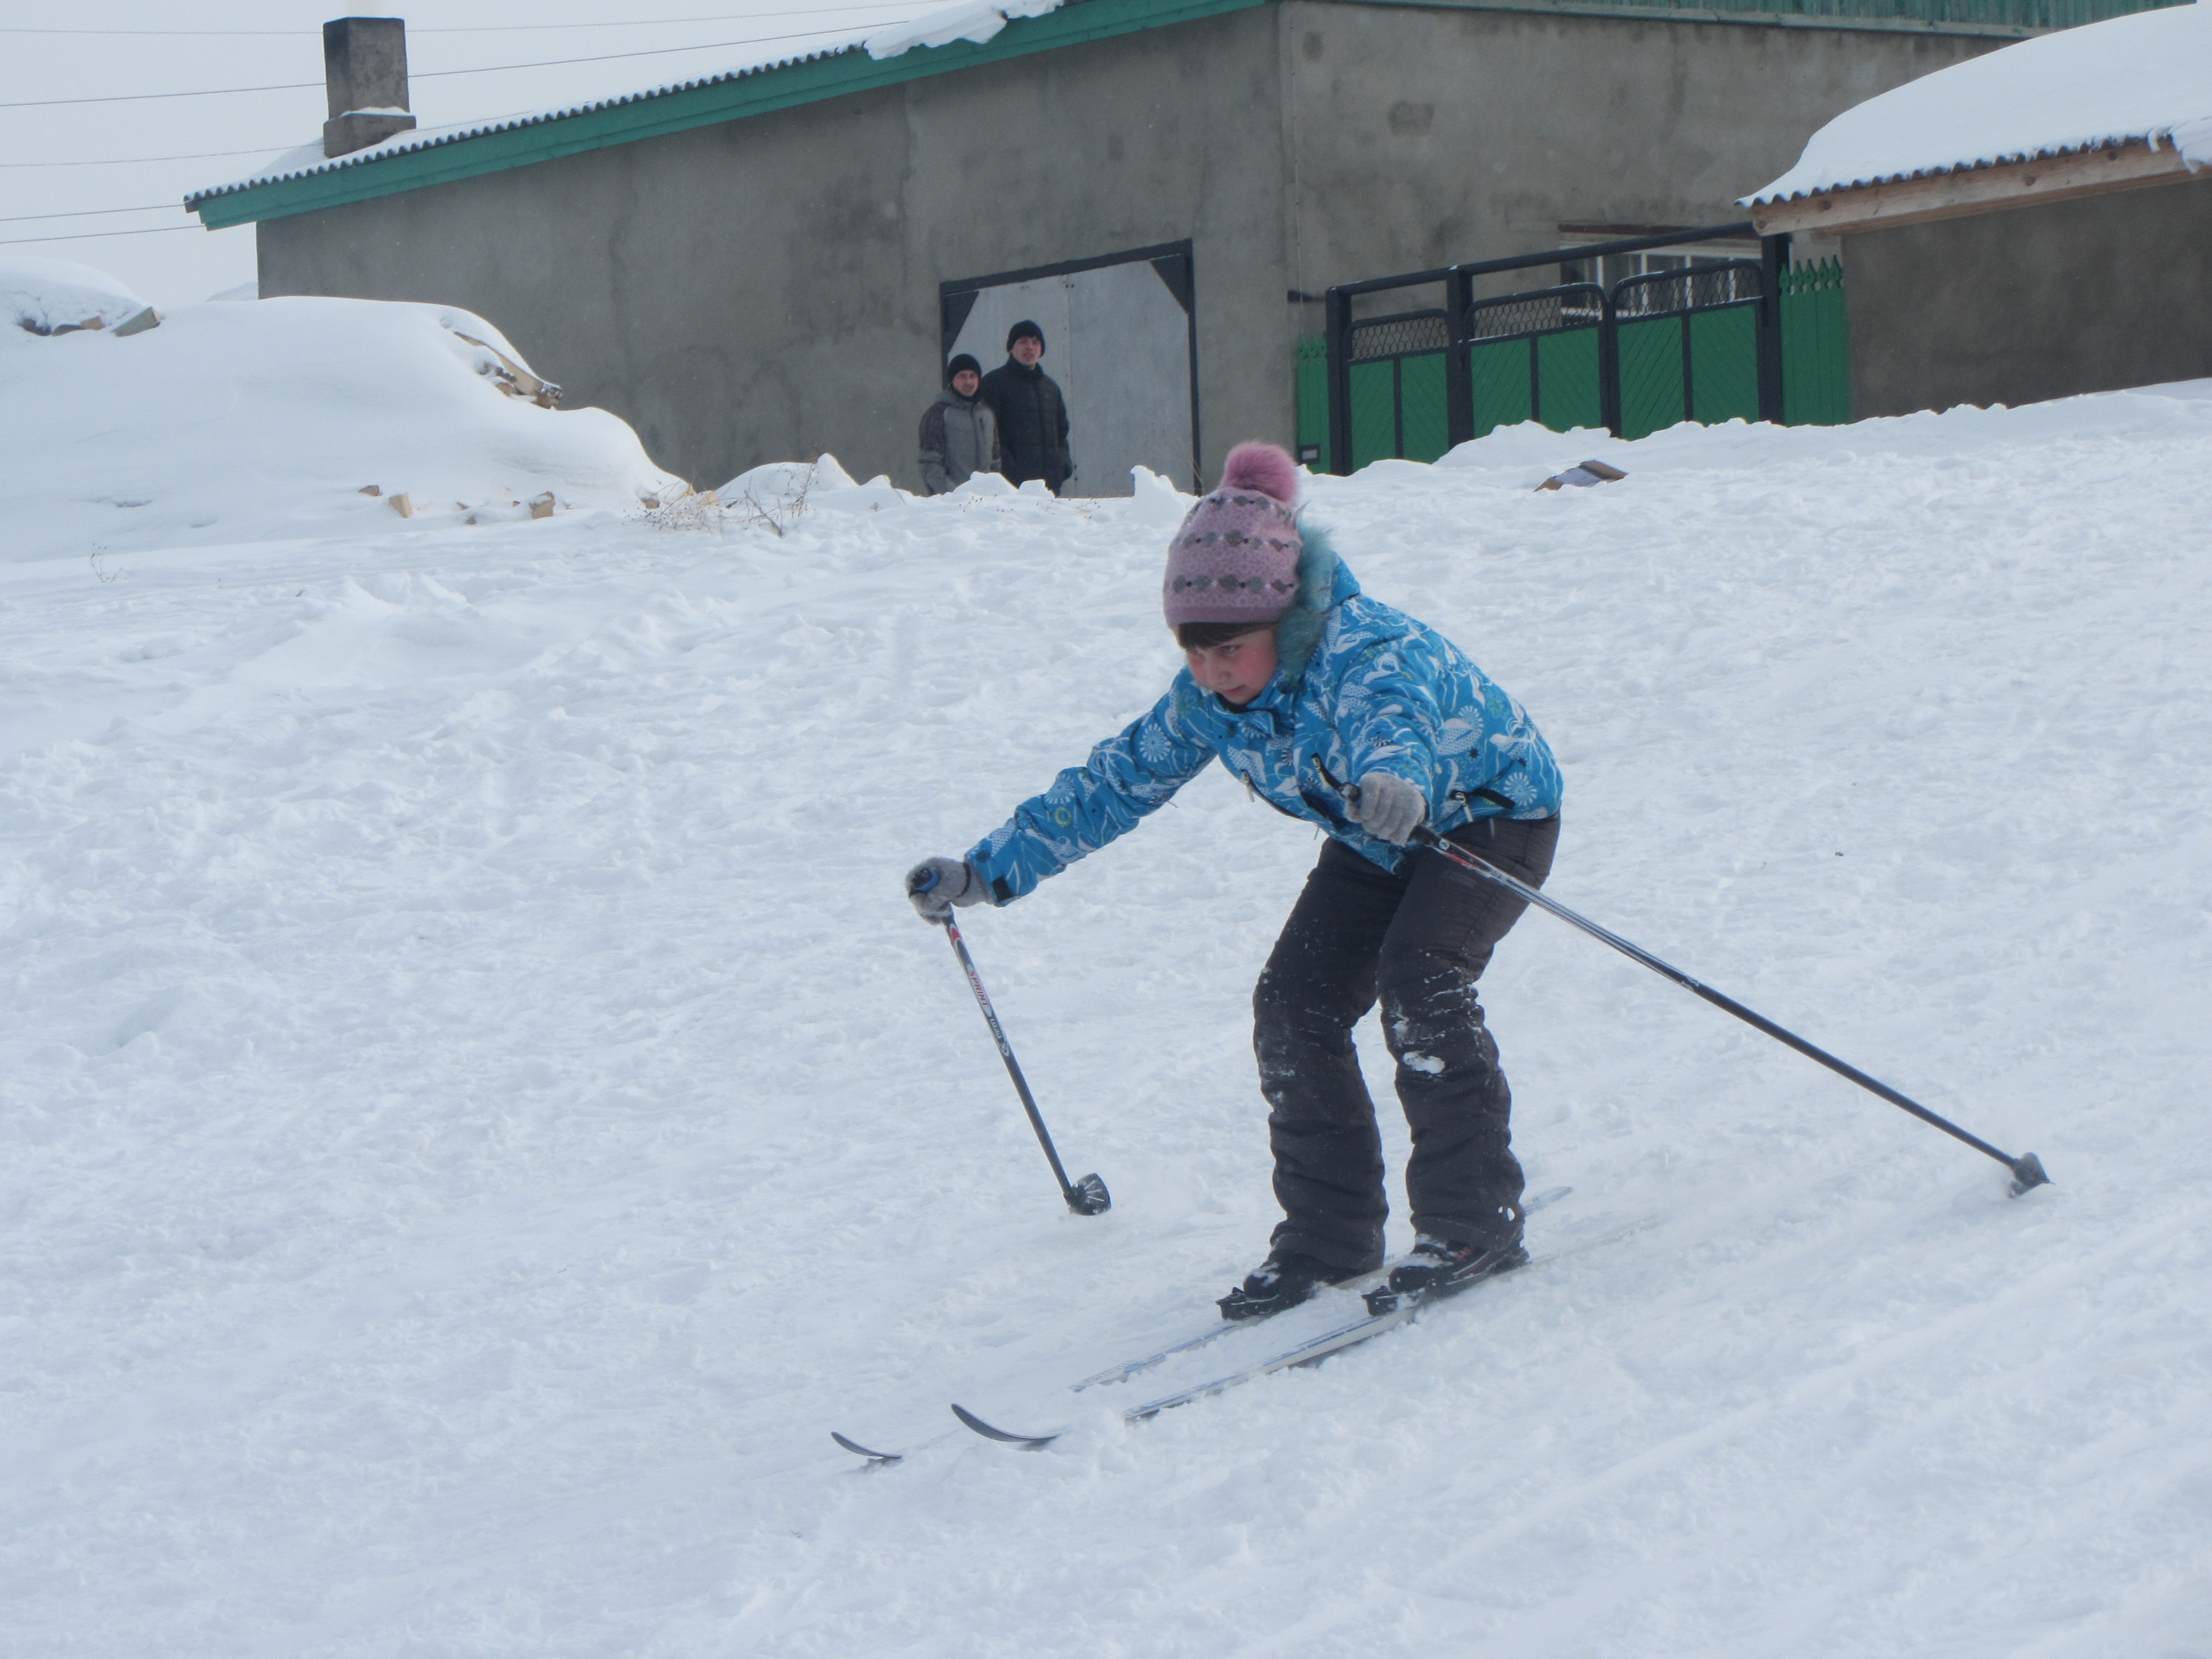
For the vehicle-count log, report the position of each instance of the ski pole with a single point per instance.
(2027, 1171)
(1088, 1196)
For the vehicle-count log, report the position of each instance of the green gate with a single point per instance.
(1727, 339)
(1397, 387)
(1660, 348)
(1537, 357)
(1689, 346)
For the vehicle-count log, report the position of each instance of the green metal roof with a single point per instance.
(413, 161)
(2019, 17)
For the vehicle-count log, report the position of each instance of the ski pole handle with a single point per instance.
(931, 878)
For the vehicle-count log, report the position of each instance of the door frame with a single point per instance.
(956, 299)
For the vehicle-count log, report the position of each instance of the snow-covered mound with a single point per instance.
(232, 424)
(476, 1110)
(41, 298)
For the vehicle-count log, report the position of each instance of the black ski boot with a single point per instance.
(1438, 1267)
(1285, 1278)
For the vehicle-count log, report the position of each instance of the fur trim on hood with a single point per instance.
(1298, 636)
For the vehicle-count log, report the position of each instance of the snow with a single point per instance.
(37, 296)
(979, 21)
(2144, 77)
(477, 1111)
(233, 424)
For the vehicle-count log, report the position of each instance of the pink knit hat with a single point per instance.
(1235, 559)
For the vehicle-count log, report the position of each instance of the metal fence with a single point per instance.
(1537, 356)
(1721, 340)
(1688, 344)
(1816, 345)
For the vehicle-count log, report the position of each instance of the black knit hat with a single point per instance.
(1023, 330)
(963, 361)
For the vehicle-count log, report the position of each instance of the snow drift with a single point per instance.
(45, 297)
(232, 424)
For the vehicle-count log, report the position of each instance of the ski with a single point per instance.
(1309, 1352)
(1361, 1287)
(1366, 1286)
(882, 1459)
(1026, 1441)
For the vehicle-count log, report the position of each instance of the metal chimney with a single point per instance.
(365, 68)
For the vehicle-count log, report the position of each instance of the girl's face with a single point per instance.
(1239, 672)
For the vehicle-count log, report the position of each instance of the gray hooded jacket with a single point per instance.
(959, 439)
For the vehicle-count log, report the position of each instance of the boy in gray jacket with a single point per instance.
(959, 434)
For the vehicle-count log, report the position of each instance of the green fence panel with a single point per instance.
(1500, 375)
(1835, 328)
(1374, 412)
(1816, 346)
(1567, 380)
(1651, 376)
(1724, 365)
(1399, 406)
(1398, 409)
(1312, 403)
(1424, 422)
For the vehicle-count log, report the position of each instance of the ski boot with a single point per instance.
(1440, 1267)
(1285, 1278)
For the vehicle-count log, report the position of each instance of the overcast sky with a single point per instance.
(98, 57)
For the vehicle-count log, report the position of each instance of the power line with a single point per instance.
(657, 51)
(86, 213)
(481, 28)
(140, 97)
(432, 75)
(135, 161)
(93, 235)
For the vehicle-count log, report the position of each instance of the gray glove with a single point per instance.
(935, 885)
(1387, 807)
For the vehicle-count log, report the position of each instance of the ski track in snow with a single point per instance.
(477, 1111)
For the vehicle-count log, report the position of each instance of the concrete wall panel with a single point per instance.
(768, 289)
(2037, 302)
(1427, 136)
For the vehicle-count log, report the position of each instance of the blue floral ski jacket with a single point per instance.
(1360, 687)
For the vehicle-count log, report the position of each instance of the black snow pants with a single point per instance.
(1419, 940)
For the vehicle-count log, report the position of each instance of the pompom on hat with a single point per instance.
(1236, 558)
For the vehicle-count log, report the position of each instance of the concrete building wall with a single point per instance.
(767, 290)
(1428, 137)
(2038, 302)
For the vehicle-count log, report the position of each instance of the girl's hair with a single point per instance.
(1204, 636)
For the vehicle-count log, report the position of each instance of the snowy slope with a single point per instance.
(476, 1111)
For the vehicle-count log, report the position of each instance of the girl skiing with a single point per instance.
(1293, 680)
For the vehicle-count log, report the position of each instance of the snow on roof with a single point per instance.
(2145, 76)
(978, 20)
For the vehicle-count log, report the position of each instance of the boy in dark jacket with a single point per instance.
(959, 433)
(1032, 413)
